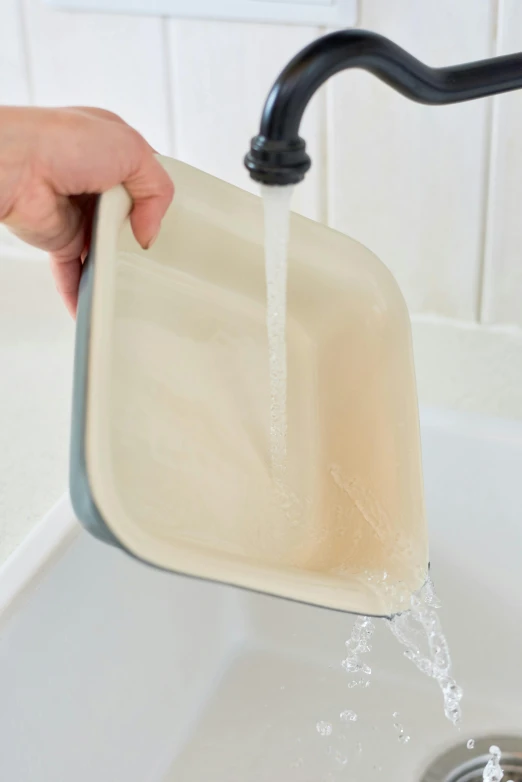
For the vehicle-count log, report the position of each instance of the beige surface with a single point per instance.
(178, 436)
(35, 389)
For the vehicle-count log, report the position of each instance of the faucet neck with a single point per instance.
(278, 154)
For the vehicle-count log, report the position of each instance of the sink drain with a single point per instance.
(461, 764)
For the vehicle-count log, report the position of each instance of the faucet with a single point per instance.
(278, 156)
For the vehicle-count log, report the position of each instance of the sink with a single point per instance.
(113, 671)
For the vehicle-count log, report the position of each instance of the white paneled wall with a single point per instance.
(436, 192)
(502, 299)
(408, 180)
(116, 62)
(14, 87)
(222, 72)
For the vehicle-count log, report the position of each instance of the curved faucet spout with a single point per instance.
(278, 154)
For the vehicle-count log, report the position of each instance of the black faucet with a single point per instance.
(278, 154)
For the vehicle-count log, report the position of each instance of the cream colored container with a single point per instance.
(171, 451)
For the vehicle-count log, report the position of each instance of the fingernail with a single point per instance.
(153, 239)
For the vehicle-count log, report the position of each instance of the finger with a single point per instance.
(69, 248)
(87, 206)
(117, 154)
(151, 190)
(66, 276)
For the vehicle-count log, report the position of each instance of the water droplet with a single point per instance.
(324, 728)
(341, 759)
(401, 735)
(359, 747)
(348, 716)
(471, 744)
(358, 683)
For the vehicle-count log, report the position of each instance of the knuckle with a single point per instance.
(94, 112)
(167, 187)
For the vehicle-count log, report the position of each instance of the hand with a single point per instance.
(53, 162)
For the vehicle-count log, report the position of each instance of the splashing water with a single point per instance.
(358, 644)
(358, 683)
(420, 618)
(348, 716)
(493, 771)
(276, 202)
(324, 728)
(420, 624)
(401, 735)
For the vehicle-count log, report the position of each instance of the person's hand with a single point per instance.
(53, 162)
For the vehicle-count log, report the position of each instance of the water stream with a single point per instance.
(418, 629)
(276, 201)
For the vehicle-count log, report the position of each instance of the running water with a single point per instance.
(421, 625)
(276, 202)
(417, 628)
(420, 622)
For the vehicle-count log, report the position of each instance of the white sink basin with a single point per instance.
(114, 672)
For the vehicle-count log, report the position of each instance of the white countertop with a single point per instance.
(36, 353)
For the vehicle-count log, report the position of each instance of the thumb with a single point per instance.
(151, 190)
